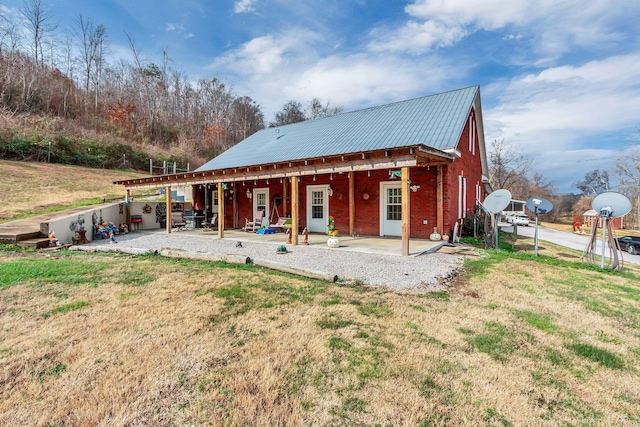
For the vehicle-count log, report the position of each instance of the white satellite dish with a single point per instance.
(538, 206)
(497, 201)
(494, 204)
(611, 204)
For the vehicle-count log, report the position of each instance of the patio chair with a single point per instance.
(256, 223)
(282, 224)
(177, 221)
(211, 224)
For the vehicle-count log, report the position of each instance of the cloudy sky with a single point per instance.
(560, 79)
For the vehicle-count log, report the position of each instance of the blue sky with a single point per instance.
(560, 79)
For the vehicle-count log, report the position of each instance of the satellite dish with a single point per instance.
(611, 204)
(497, 201)
(539, 205)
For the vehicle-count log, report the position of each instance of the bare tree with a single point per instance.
(315, 109)
(247, 117)
(93, 49)
(40, 25)
(506, 166)
(9, 35)
(594, 182)
(628, 170)
(291, 113)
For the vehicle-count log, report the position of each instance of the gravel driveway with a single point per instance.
(424, 273)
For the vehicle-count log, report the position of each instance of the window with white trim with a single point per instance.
(462, 196)
(472, 135)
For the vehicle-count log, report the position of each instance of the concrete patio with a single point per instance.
(364, 244)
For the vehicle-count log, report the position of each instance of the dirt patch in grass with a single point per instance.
(151, 341)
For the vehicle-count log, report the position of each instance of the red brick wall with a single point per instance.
(468, 165)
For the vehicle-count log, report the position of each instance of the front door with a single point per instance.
(391, 209)
(317, 208)
(261, 203)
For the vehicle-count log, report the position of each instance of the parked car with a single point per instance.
(520, 219)
(630, 244)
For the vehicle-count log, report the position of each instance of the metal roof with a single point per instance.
(435, 121)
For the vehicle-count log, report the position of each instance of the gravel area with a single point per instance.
(424, 273)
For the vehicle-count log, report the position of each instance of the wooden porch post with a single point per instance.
(235, 205)
(220, 211)
(167, 191)
(294, 210)
(127, 213)
(439, 201)
(405, 211)
(352, 203)
(285, 185)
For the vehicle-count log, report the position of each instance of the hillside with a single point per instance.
(34, 188)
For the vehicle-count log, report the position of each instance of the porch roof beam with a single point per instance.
(384, 159)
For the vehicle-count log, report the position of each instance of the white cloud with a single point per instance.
(554, 27)
(418, 37)
(274, 69)
(258, 56)
(244, 6)
(174, 27)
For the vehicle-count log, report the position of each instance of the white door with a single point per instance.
(317, 208)
(214, 201)
(261, 203)
(390, 209)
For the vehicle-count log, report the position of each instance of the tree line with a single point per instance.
(69, 73)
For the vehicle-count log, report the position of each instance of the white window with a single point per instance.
(462, 196)
(472, 136)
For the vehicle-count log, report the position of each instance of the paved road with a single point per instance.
(563, 238)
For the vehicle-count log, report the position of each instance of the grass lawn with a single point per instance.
(29, 189)
(103, 339)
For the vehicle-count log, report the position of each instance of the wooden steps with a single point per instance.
(34, 243)
(13, 238)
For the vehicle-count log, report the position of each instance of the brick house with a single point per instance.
(402, 169)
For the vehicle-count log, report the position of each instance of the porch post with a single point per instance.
(235, 205)
(285, 182)
(167, 191)
(127, 213)
(439, 201)
(352, 203)
(405, 211)
(294, 210)
(220, 211)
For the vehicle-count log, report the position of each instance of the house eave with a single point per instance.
(379, 159)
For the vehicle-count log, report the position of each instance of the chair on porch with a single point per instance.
(211, 224)
(283, 223)
(177, 221)
(255, 224)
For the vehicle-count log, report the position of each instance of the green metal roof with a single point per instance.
(435, 121)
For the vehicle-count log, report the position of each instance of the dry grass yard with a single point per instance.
(99, 339)
(28, 189)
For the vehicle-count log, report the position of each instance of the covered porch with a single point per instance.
(356, 184)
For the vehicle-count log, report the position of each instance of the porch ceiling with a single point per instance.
(381, 159)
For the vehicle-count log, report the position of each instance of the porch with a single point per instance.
(361, 244)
